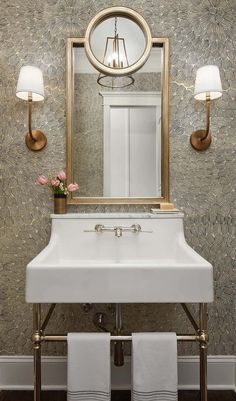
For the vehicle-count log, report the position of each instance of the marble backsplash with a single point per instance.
(201, 184)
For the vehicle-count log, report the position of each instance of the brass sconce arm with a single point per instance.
(30, 117)
(34, 139)
(208, 107)
(201, 139)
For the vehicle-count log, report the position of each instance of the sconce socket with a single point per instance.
(200, 140)
(36, 141)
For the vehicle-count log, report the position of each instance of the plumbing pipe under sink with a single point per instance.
(118, 345)
(99, 323)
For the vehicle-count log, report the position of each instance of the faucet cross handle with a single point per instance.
(99, 228)
(136, 228)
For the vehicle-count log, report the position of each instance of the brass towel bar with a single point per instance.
(58, 338)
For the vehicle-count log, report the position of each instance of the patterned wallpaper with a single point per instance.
(202, 184)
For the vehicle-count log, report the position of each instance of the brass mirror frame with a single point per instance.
(164, 132)
(130, 14)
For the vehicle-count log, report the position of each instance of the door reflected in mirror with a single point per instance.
(131, 144)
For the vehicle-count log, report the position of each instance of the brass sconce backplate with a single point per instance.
(36, 141)
(199, 141)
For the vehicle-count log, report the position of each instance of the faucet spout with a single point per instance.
(118, 231)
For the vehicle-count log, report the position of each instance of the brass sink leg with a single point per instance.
(203, 341)
(36, 339)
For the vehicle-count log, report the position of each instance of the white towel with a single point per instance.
(88, 367)
(154, 367)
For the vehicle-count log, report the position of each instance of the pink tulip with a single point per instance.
(73, 187)
(55, 182)
(41, 180)
(61, 175)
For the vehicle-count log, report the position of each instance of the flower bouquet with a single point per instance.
(60, 189)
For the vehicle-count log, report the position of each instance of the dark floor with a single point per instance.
(116, 396)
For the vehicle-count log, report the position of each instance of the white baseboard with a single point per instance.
(16, 373)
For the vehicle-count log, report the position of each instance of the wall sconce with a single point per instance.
(207, 87)
(30, 88)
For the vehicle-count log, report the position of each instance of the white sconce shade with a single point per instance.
(30, 80)
(208, 82)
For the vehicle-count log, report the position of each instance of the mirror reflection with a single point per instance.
(113, 45)
(116, 136)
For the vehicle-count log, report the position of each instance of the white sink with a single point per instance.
(79, 266)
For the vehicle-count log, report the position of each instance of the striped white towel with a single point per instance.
(154, 367)
(88, 367)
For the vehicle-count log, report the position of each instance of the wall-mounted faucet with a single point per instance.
(118, 230)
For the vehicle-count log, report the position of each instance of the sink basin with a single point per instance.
(80, 266)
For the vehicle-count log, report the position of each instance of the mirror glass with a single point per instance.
(117, 135)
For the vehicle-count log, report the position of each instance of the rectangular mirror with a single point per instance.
(117, 138)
